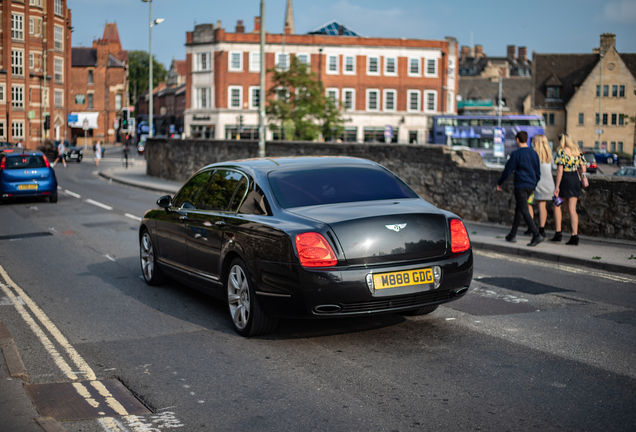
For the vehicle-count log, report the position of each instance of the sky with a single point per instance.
(544, 26)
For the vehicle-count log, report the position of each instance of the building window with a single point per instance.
(621, 119)
(235, 95)
(203, 97)
(304, 58)
(620, 146)
(605, 117)
(236, 61)
(605, 91)
(118, 102)
(614, 119)
(553, 93)
(372, 100)
(332, 93)
(2, 93)
(90, 77)
(431, 68)
(598, 90)
(58, 98)
(17, 129)
(17, 27)
(90, 101)
(580, 144)
(2, 129)
(58, 37)
(203, 62)
(17, 96)
(255, 61)
(255, 97)
(596, 119)
(414, 67)
(414, 100)
(282, 61)
(390, 100)
(58, 71)
(332, 64)
(613, 146)
(57, 7)
(31, 26)
(621, 92)
(581, 119)
(17, 62)
(349, 99)
(551, 119)
(390, 66)
(431, 100)
(349, 65)
(31, 61)
(614, 91)
(373, 65)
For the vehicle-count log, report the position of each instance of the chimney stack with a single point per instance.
(465, 52)
(479, 51)
(257, 24)
(512, 52)
(608, 40)
(523, 54)
(240, 28)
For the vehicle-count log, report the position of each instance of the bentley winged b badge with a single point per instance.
(396, 227)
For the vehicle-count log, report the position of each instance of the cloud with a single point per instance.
(620, 11)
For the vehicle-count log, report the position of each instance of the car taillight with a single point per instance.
(2, 163)
(314, 251)
(459, 237)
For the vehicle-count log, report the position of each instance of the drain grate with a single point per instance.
(26, 235)
(522, 285)
(84, 400)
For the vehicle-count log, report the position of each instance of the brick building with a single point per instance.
(379, 82)
(99, 86)
(583, 93)
(35, 37)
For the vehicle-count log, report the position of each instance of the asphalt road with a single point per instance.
(531, 347)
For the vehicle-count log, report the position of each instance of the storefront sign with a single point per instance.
(200, 118)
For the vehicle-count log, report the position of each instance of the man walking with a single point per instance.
(525, 164)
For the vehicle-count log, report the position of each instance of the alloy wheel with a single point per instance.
(147, 257)
(238, 294)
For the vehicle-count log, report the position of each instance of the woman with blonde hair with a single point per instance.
(568, 184)
(545, 188)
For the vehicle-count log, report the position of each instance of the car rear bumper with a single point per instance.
(12, 190)
(291, 291)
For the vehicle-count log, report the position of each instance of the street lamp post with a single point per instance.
(261, 97)
(150, 86)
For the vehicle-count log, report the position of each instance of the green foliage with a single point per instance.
(138, 73)
(297, 104)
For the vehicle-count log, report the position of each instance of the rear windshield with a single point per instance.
(589, 157)
(24, 161)
(310, 187)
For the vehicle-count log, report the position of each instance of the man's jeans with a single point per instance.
(521, 209)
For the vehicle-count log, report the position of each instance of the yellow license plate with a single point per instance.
(403, 278)
(28, 187)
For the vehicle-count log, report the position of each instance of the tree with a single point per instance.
(297, 104)
(138, 73)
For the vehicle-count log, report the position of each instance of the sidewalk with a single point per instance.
(603, 254)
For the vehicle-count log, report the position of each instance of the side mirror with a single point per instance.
(165, 201)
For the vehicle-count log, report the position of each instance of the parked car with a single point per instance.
(26, 174)
(590, 162)
(603, 157)
(5, 145)
(626, 172)
(73, 152)
(318, 237)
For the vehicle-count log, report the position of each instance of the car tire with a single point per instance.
(148, 258)
(79, 159)
(247, 316)
(421, 311)
(53, 198)
(610, 160)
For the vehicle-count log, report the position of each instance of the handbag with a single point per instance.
(584, 181)
(557, 200)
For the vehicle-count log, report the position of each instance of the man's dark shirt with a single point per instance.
(524, 162)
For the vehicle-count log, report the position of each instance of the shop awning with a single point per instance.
(76, 119)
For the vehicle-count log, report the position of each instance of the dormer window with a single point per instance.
(553, 92)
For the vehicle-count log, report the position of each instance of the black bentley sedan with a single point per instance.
(317, 237)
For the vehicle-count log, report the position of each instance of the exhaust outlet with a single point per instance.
(325, 309)
(461, 291)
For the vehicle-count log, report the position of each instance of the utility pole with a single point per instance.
(599, 131)
(261, 99)
(499, 103)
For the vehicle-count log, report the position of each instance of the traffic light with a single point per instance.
(240, 123)
(125, 115)
(47, 122)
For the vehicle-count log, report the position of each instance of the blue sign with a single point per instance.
(72, 118)
(388, 132)
(499, 141)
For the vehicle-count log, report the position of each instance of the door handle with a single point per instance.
(220, 224)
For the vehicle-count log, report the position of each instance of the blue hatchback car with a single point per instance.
(25, 173)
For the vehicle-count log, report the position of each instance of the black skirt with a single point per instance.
(570, 185)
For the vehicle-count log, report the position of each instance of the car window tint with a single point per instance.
(190, 193)
(221, 190)
(308, 187)
(25, 161)
(239, 194)
(255, 202)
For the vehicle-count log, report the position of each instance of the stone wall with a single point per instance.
(456, 181)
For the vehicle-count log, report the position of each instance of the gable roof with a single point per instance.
(334, 28)
(514, 90)
(630, 62)
(83, 57)
(571, 70)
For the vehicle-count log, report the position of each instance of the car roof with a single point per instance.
(266, 165)
(18, 152)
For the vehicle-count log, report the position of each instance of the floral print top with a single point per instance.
(570, 163)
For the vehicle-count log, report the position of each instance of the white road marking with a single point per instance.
(554, 266)
(98, 204)
(73, 194)
(110, 257)
(131, 216)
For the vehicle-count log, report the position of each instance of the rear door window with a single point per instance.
(24, 161)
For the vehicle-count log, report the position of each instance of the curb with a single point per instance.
(11, 354)
(106, 175)
(547, 256)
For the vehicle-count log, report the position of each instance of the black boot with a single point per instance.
(528, 232)
(542, 231)
(574, 241)
(557, 237)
